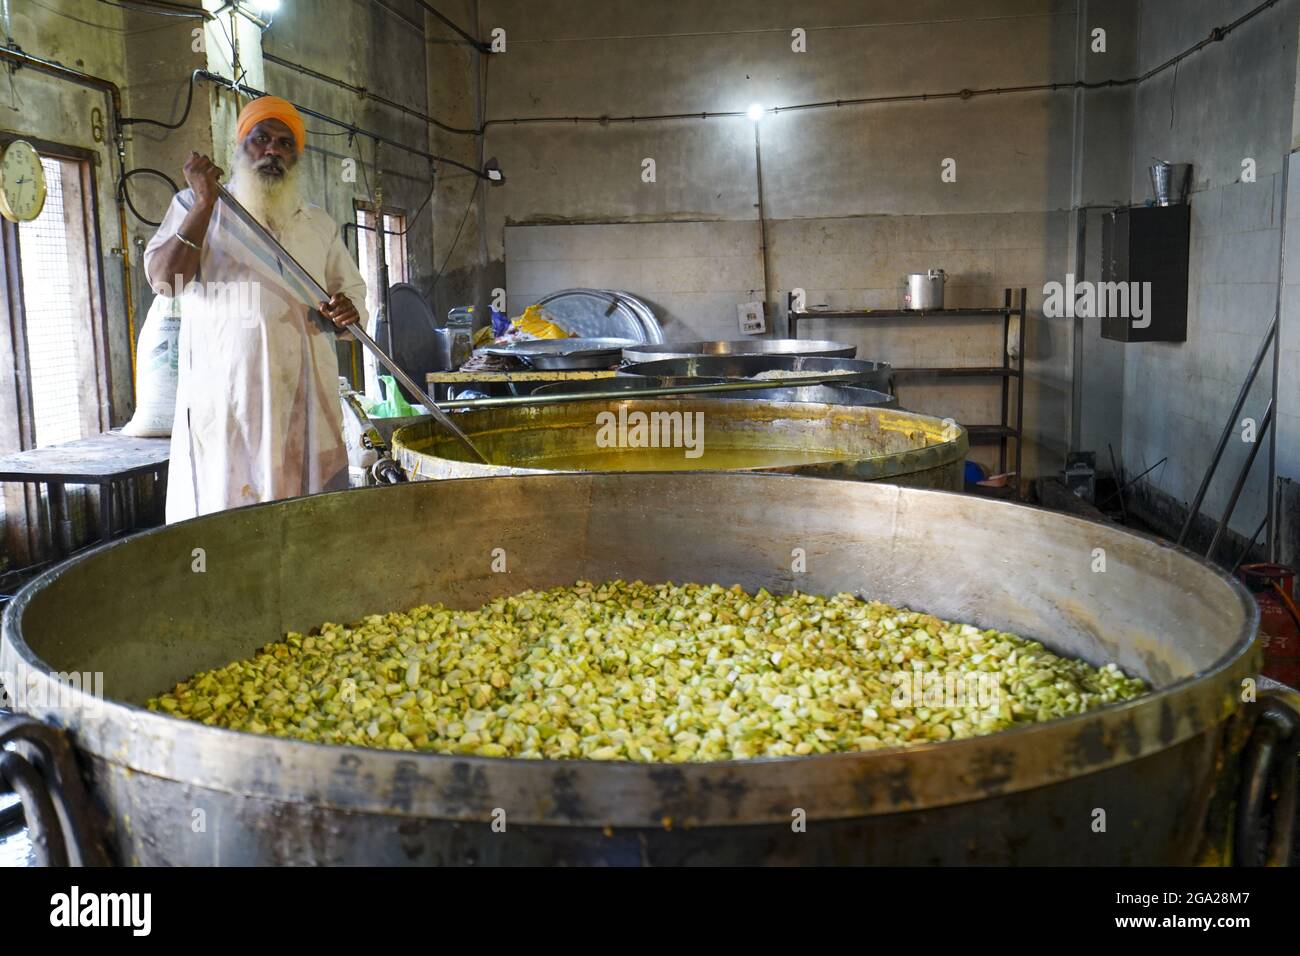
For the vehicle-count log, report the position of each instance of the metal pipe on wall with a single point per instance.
(1270, 542)
(366, 94)
(471, 40)
(356, 130)
(762, 220)
(1215, 35)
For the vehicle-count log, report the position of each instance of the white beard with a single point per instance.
(272, 200)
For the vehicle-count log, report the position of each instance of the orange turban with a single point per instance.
(271, 107)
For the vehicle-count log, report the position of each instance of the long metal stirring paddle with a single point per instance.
(305, 277)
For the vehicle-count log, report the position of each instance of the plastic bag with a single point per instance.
(532, 323)
(500, 323)
(395, 405)
(155, 374)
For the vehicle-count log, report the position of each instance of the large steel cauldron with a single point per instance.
(147, 614)
(853, 442)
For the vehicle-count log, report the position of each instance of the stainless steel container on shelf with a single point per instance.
(1156, 764)
(453, 346)
(925, 290)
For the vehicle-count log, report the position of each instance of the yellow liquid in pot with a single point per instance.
(674, 459)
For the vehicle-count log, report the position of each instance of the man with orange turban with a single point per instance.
(257, 408)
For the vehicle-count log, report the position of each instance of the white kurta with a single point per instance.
(257, 407)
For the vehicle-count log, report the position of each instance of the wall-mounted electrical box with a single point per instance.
(1144, 248)
(752, 318)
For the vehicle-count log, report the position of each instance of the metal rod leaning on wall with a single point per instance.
(110, 90)
(1131, 482)
(1228, 428)
(1249, 544)
(1241, 481)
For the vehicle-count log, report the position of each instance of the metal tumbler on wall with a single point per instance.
(1170, 182)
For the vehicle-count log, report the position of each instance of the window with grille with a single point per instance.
(51, 319)
(394, 245)
(395, 238)
(52, 342)
(368, 251)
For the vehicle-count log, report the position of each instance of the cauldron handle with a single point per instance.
(42, 770)
(1272, 764)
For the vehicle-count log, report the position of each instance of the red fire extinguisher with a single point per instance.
(1279, 620)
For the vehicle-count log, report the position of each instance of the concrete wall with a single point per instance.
(1229, 102)
(455, 73)
(853, 194)
(1101, 176)
(691, 273)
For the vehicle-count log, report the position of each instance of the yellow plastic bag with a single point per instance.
(532, 323)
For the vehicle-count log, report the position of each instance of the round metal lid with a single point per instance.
(415, 344)
(654, 332)
(599, 313)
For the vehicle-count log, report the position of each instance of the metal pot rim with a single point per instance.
(615, 793)
(422, 465)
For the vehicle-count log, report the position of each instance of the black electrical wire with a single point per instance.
(124, 194)
(365, 177)
(234, 53)
(185, 114)
(416, 215)
(437, 276)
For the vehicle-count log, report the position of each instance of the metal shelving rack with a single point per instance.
(1002, 432)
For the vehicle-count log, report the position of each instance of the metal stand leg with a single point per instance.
(160, 495)
(105, 511)
(60, 526)
(130, 488)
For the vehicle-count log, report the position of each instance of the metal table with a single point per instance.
(99, 460)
